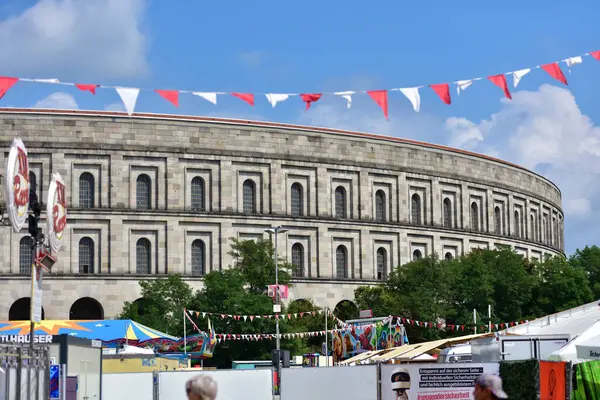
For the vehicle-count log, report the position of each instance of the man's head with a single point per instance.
(400, 382)
(201, 387)
(489, 387)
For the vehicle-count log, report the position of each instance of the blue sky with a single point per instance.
(311, 46)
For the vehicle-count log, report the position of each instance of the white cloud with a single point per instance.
(252, 59)
(99, 38)
(546, 131)
(58, 100)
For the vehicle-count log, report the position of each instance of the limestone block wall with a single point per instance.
(164, 194)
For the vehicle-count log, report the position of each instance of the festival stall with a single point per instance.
(112, 333)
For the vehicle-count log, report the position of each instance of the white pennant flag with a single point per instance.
(208, 96)
(203, 315)
(274, 98)
(462, 85)
(573, 61)
(412, 94)
(517, 75)
(347, 95)
(129, 97)
(245, 317)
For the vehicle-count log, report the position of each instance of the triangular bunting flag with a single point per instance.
(595, 54)
(274, 98)
(86, 88)
(573, 61)
(252, 318)
(301, 314)
(247, 97)
(203, 315)
(171, 95)
(500, 81)
(554, 71)
(197, 314)
(245, 316)
(128, 97)
(412, 94)
(463, 85)
(208, 96)
(309, 98)
(517, 75)
(442, 90)
(346, 95)
(381, 98)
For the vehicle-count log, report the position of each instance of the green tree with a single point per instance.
(161, 305)
(560, 286)
(588, 260)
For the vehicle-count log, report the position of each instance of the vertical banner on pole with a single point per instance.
(36, 294)
(17, 185)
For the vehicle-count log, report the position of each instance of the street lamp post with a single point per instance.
(277, 307)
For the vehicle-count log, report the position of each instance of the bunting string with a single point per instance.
(129, 95)
(345, 326)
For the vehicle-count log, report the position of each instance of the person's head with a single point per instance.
(201, 387)
(489, 387)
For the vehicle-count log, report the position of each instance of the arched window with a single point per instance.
(447, 213)
(340, 202)
(449, 256)
(415, 209)
(198, 258)
(297, 200)
(381, 264)
(497, 221)
(86, 190)
(417, 255)
(517, 225)
(380, 206)
(474, 216)
(143, 262)
(33, 182)
(25, 249)
(143, 192)
(198, 194)
(86, 256)
(298, 260)
(341, 262)
(249, 196)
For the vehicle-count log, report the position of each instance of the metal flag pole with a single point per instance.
(184, 335)
(326, 338)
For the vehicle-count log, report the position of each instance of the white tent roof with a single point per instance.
(569, 351)
(572, 322)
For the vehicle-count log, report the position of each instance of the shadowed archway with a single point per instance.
(20, 310)
(346, 310)
(86, 308)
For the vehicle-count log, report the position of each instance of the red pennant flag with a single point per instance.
(251, 317)
(554, 71)
(310, 98)
(500, 81)
(381, 98)
(5, 84)
(462, 327)
(223, 316)
(289, 316)
(301, 314)
(442, 90)
(247, 97)
(502, 325)
(595, 54)
(171, 95)
(86, 88)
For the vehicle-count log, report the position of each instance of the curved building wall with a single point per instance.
(155, 194)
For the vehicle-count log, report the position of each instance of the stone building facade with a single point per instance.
(153, 194)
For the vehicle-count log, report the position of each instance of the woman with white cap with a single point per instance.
(201, 387)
